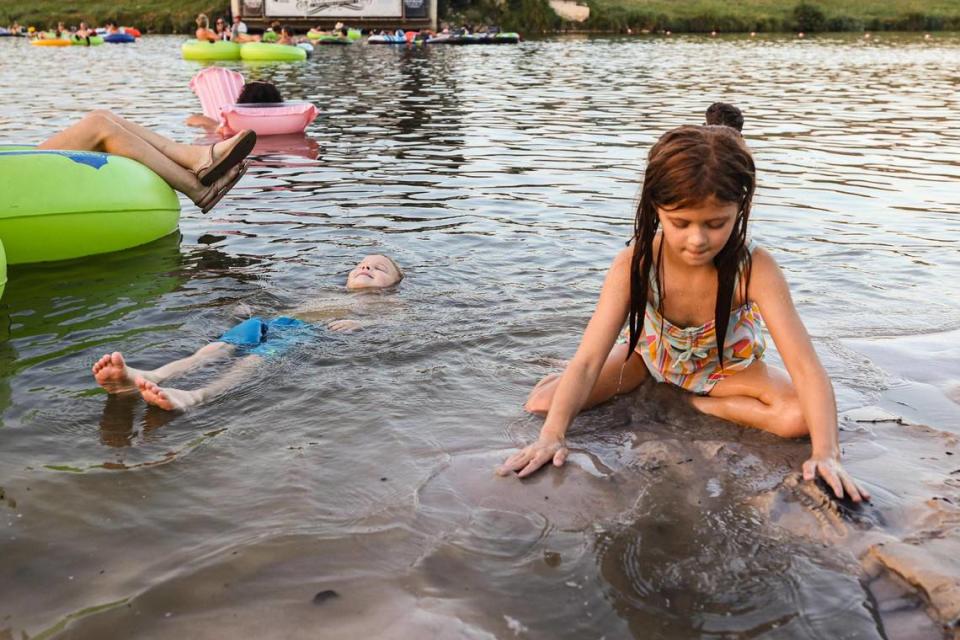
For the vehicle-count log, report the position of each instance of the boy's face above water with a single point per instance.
(373, 272)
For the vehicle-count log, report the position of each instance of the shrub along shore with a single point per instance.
(531, 17)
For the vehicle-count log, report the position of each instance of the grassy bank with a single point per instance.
(700, 16)
(704, 16)
(155, 16)
(535, 16)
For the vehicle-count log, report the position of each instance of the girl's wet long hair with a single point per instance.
(686, 167)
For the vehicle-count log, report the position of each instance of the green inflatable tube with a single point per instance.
(94, 40)
(58, 205)
(221, 50)
(3, 270)
(266, 51)
(326, 38)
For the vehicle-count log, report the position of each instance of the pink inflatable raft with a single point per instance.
(218, 90)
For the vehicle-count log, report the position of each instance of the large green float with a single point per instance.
(3, 270)
(267, 51)
(220, 50)
(57, 205)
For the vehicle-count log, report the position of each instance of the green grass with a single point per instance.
(775, 15)
(158, 16)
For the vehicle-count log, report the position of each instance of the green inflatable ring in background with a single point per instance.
(58, 205)
(266, 51)
(220, 50)
(94, 41)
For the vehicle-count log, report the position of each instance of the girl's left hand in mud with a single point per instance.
(832, 472)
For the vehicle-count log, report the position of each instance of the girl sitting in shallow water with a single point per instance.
(691, 280)
(256, 337)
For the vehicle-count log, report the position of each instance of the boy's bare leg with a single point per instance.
(179, 399)
(113, 374)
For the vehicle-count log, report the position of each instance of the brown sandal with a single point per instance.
(217, 191)
(242, 145)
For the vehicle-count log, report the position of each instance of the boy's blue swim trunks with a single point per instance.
(269, 337)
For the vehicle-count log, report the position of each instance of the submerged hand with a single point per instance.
(830, 469)
(534, 456)
(343, 325)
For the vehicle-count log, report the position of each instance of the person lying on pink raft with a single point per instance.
(230, 105)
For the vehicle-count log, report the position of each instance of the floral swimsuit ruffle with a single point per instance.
(687, 357)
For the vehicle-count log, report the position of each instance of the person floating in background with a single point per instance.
(204, 32)
(272, 34)
(221, 30)
(84, 32)
(218, 88)
(239, 27)
(255, 338)
(202, 173)
(286, 36)
(239, 34)
(691, 288)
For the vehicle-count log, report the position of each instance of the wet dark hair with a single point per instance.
(259, 92)
(686, 167)
(725, 114)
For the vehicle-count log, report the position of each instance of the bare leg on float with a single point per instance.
(617, 377)
(761, 397)
(100, 132)
(113, 374)
(179, 399)
(189, 156)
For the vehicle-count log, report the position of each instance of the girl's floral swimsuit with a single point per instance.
(687, 357)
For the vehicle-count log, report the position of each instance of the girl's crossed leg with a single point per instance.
(760, 396)
(618, 376)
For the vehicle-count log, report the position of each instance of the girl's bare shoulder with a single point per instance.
(765, 275)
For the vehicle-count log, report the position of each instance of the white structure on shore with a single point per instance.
(302, 14)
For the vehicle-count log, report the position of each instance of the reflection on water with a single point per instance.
(502, 179)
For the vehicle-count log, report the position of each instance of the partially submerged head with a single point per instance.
(698, 189)
(259, 92)
(375, 271)
(725, 114)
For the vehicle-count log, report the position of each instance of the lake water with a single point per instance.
(347, 489)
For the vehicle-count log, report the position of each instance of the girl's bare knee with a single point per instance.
(106, 114)
(789, 419)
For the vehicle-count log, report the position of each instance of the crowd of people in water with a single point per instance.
(63, 32)
(235, 30)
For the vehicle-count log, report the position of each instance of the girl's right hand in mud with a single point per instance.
(535, 455)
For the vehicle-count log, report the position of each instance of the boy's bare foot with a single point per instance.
(167, 397)
(113, 374)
